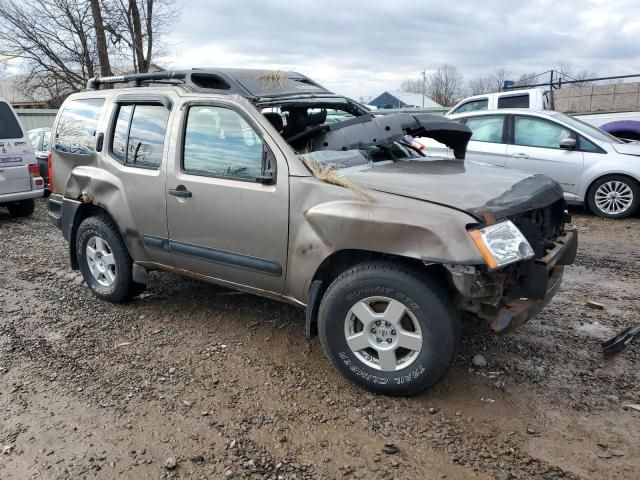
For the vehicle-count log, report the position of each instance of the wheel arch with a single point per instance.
(342, 260)
(101, 192)
(587, 192)
(83, 211)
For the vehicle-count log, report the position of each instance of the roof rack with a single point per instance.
(195, 79)
(248, 83)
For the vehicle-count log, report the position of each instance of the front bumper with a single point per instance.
(523, 298)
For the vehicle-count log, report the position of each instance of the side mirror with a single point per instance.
(269, 167)
(568, 143)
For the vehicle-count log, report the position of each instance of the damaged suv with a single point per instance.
(266, 182)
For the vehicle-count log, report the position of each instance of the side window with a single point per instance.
(138, 136)
(486, 129)
(46, 141)
(587, 146)
(219, 142)
(473, 105)
(537, 132)
(9, 126)
(34, 138)
(514, 101)
(77, 126)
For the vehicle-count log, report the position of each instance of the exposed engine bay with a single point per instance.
(339, 124)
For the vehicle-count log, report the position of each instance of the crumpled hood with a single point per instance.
(475, 188)
(627, 148)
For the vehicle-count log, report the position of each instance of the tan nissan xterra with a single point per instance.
(266, 182)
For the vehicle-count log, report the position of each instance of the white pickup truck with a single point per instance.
(622, 124)
(20, 180)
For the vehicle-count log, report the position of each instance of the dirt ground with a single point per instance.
(195, 381)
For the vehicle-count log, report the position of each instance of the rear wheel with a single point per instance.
(23, 208)
(104, 260)
(388, 329)
(614, 196)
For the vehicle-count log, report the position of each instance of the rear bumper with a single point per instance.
(62, 213)
(18, 196)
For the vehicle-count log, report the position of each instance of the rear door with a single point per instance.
(535, 147)
(137, 157)
(223, 223)
(15, 153)
(488, 140)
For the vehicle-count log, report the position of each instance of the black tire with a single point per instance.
(428, 303)
(123, 287)
(23, 208)
(629, 182)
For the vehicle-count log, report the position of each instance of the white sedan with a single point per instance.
(593, 167)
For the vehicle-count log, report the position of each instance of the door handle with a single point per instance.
(520, 155)
(180, 191)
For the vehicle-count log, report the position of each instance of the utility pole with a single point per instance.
(424, 85)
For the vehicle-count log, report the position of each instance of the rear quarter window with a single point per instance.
(9, 126)
(76, 131)
(514, 101)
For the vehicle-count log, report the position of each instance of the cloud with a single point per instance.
(363, 47)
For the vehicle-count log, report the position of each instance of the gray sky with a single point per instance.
(364, 47)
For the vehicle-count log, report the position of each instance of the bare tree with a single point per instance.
(62, 43)
(136, 28)
(480, 85)
(444, 84)
(498, 77)
(526, 79)
(101, 39)
(413, 86)
(54, 39)
(567, 71)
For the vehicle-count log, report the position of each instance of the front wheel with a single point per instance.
(388, 329)
(104, 260)
(614, 196)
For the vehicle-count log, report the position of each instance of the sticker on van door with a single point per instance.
(6, 160)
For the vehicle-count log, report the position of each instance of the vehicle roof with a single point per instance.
(250, 83)
(505, 111)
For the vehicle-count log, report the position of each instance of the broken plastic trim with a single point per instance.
(381, 131)
(621, 340)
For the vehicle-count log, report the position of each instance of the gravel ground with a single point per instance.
(195, 381)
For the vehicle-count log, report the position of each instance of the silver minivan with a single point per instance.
(20, 180)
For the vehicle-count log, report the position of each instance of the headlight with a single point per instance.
(501, 244)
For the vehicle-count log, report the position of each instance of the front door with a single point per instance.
(536, 148)
(223, 222)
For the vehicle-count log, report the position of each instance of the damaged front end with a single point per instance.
(507, 297)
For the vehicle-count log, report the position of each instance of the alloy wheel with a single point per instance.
(383, 333)
(614, 197)
(101, 262)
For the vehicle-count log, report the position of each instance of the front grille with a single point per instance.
(541, 225)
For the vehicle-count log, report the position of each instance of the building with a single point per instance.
(397, 99)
